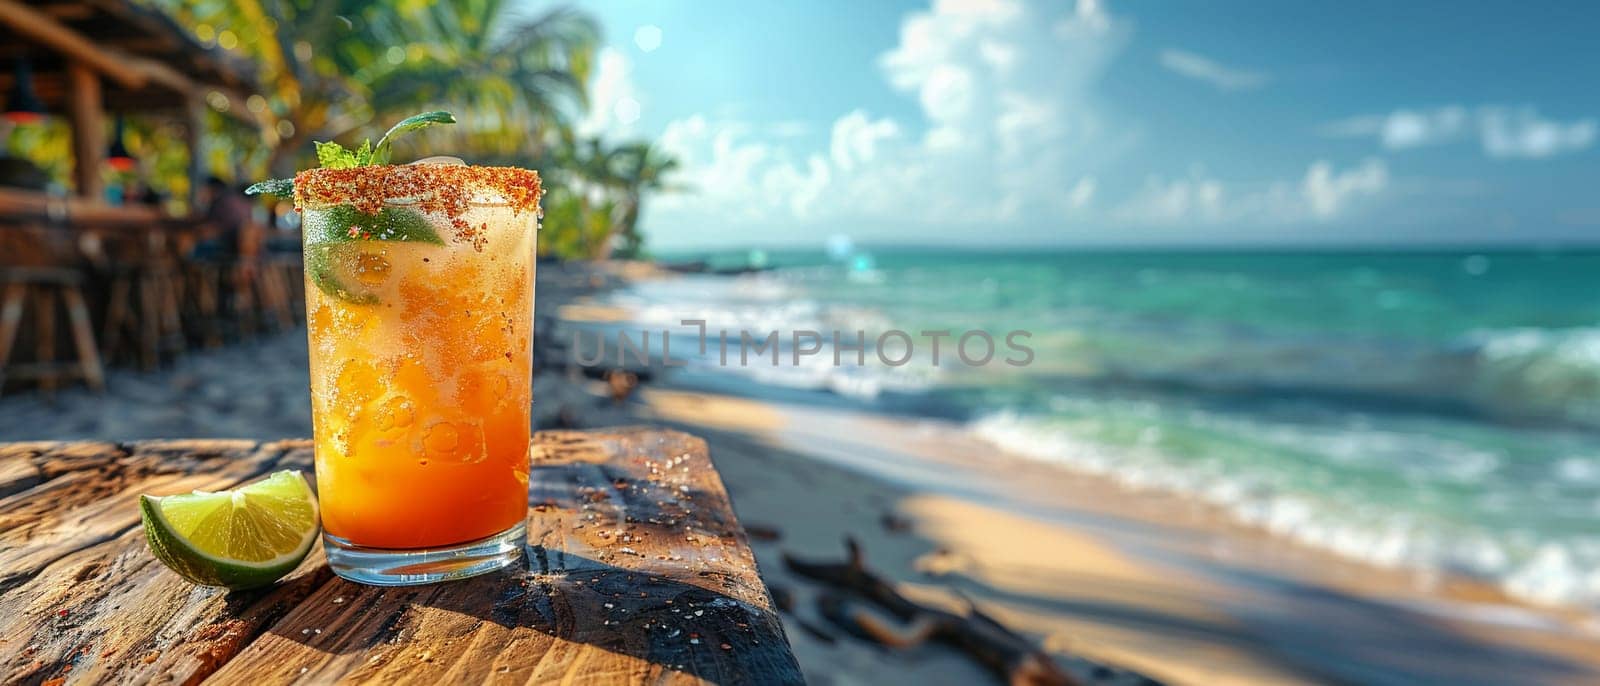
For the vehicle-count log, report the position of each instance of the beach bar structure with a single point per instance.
(87, 57)
(117, 270)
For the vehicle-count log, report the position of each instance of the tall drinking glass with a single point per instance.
(419, 303)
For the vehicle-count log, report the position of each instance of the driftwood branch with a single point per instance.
(889, 618)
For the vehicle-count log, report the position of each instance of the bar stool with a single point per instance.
(203, 294)
(144, 299)
(39, 288)
(261, 293)
(277, 295)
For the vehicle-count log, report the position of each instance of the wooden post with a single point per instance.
(195, 137)
(87, 112)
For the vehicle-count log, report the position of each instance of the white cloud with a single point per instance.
(1082, 193)
(1011, 138)
(735, 177)
(614, 104)
(1503, 132)
(1202, 68)
(1522, 133)
(1323, 194)
(1197, 198)
(856, 137)
(1008, 112)
(1328, 192)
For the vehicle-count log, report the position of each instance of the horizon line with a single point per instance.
(1574, 246)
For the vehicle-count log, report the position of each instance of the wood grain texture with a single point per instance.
(638, 572)
(84, 601)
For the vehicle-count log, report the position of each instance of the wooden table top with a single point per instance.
(638, 572)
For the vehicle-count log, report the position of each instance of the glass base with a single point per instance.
(385, 567)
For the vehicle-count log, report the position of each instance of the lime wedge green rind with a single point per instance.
(343, 225)
(245, 538)
(320, 262)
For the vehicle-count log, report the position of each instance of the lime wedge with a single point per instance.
(244, 538)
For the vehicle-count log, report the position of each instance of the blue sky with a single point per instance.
(1025, 122)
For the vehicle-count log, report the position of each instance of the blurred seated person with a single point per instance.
(227, 232)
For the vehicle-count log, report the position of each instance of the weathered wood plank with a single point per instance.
(87, 602)
(95, 497)
(54, 458)
(18, 475)
(638, 573)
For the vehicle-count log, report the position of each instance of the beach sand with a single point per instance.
(1153, 583)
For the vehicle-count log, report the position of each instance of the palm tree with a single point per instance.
(514, 82)
(332, 67)
(306, 51)
(618, 177)
(640, 167)
(573, 223)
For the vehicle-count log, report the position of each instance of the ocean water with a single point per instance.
(1435, 411)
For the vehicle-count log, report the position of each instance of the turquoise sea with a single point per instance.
(1428, 410)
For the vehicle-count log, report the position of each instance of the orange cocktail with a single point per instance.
(419, 298)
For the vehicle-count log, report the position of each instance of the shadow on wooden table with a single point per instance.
(637, 571)
(590, 620)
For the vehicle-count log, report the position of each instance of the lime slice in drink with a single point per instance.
(343, 246)
(333, 267)
(244, 538)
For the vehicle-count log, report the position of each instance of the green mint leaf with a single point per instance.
(380, 153)
(345, 223)
(283, 188)
(331, 155)
(364, 153)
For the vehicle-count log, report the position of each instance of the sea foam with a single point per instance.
(1539, 567)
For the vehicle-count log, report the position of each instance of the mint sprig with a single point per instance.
(380, 152)
(331, 155)
(330, 228)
